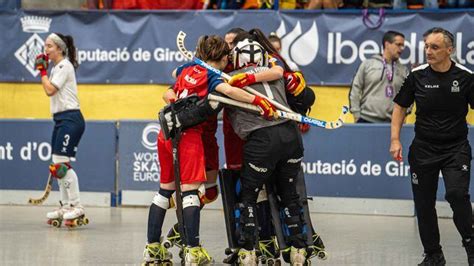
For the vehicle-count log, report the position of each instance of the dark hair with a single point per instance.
(274, 38)
(235, 31)
(211, 48)
(390, 35)
(69, 41)
(448, 36)
(258, 36)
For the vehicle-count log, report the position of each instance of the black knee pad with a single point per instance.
(246, 217)
(456, 195)
(294, 226)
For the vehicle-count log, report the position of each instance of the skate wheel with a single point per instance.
(228, 251)
(323, 255)
(56, 223)
(277, 262)
(85, 221)
(270, 262)
(167, 263)
(167, 244)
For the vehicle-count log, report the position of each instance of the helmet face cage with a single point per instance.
(249, 52)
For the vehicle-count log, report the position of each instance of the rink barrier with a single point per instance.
(348, 170)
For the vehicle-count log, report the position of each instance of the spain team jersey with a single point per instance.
(193, 79)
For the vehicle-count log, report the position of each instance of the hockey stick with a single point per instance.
(46, 192)
(182, 49)
(177, 181)
(292, 116)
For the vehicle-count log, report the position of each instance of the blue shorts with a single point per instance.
(68, 129)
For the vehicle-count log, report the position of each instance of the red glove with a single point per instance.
(41, 64)
(303, 127)
(294, 82)
(242, 79)
(268, 111)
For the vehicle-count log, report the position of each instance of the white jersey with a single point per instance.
(63, 78)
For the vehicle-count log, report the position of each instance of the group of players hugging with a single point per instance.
(262, 185)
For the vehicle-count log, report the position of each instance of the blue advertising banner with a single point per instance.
(138, 156)
(140, 47)
(354, 161)
(25, 154)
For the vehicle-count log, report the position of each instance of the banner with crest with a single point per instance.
(140, 47)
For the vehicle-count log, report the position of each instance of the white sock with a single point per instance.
(72, 187)
(63, 192)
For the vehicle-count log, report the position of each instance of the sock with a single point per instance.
(191, 217)
(156, 216)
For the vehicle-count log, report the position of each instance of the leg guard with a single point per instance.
(294, 227)
(230, 192)
(59, 170)
(189, 111)
(247, 231)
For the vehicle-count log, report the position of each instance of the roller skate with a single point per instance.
(55, 218)
(317, 249)
(75, 217)
(197, 256)
(299, 257)
(173, 238)
(247, 257)
(156, 254)
(268, 253)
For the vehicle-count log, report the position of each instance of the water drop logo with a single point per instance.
(298, 46)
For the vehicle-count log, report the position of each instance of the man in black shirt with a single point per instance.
(442, 91)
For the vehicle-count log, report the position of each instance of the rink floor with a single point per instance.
(116, 236)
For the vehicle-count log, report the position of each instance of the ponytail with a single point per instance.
(71, 49)
(267, 45)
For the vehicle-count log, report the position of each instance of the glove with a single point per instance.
(241, 80)
(41, 64)
(210, 194)
(268, 110)
(294, 82)
(303, 127)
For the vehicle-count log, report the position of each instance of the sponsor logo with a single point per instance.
(27, 53)
(465, 168)
(429, 86)
(301, 45)
(190, 79)
(301, 48)
(149, 136)
(414, 178)
(258, 169)
(297, 160)
(455, 86)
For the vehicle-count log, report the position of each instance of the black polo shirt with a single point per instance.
(441, 100)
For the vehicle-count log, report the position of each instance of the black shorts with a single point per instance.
(68, 129)
(272, 150)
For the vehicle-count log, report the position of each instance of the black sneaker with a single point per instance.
(469, 246)
(435, 259)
